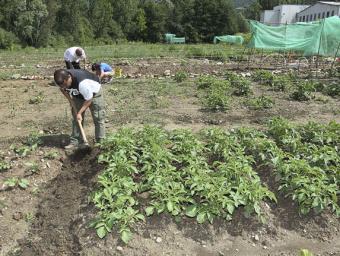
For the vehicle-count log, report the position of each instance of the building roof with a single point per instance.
(330, 3)
(321, 2)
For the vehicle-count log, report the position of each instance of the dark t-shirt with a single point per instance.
(79, 75)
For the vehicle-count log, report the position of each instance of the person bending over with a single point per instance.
(73, 56)
(103, 71)
(83, 90)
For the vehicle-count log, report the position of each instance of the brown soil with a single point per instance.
(51, 216)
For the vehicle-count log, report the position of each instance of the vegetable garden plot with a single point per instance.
(210, 175)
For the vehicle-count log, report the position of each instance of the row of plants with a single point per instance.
(298, 89)
(304, 160)
(29, 145)
(213, 173)
(217, 93)
(182, 175)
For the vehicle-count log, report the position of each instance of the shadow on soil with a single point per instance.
(55, 140)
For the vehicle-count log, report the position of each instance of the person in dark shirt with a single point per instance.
(83, 90)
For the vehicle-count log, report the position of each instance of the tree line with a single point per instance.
(42, 23)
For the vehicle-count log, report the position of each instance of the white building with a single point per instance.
(318, 11)
(282, 14)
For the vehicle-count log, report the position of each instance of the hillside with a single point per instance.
(239, 3)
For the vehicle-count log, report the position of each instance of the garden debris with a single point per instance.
(17, 216)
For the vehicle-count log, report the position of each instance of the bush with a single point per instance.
(263, 76)
(332, 89)
(304, 91)
(216, 94)
(180, 76)
(7, 39)
(262, 102)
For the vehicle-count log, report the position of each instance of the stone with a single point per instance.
(15, 76)
(158, 240)
(119, 248)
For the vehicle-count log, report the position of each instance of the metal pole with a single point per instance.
(336, 53)
(317, 57)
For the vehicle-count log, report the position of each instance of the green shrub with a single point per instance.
(241, 87)
(181, 76)
(7, 39)
(217, 99)
(263, 76)
(262, 102)
(304, 91)
(281, 83)
(332, 89)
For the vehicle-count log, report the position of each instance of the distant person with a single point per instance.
(73, 56)
(83, 90)
(103, 71)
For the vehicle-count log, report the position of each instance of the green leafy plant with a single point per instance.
(182, 173)
(305, 252)
(263, 76)
(262, 102)
(180, 76)
(37, 99)
(51, 155)
(241, 87)
(33, 167)
(332, 89)
(281, 83)
(14, 182)
(216, 92)
(4, 165)
(21, 150)
(303, 91)
(216, 99)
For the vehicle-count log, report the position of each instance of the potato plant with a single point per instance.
(175, 169)
(213, 173)
(303, 91)
(262, 102)
(4, 165)
(216, 93)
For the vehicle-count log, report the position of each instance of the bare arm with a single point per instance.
(85, 106)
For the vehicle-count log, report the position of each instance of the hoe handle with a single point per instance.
(82, 132)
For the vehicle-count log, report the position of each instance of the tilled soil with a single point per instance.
(57, 218)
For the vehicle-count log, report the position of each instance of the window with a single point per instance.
(332, 13)
(303, 18)
(323, 15)
(314, 16)
(311, 17)
(327, 14)
(319, 15)
(300, 18)
(307, 18)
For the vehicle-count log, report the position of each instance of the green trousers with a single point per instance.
(97, 109)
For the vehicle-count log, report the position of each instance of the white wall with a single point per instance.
(270, 17)
(281, 14)
(318, 11)
(288, 12)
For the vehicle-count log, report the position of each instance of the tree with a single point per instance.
(104, 27)
(155, 14)
(24, 18)
(125, 13)
(72, 22)
(214, 17)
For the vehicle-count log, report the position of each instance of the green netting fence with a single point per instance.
(310, 38)
(172, 39)
(229, 39)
